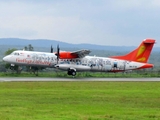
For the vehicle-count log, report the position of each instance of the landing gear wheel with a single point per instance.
(73, 73)
(12, 67)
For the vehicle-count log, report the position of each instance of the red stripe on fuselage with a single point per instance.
(147, 65)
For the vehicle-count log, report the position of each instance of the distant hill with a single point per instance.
(47, 44)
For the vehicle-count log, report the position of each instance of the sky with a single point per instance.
(102, 22)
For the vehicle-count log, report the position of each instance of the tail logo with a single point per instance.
(142, 59)
(140, 52)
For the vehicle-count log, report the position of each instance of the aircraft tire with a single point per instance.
(73, 73)
(12, 67)
(69, 72)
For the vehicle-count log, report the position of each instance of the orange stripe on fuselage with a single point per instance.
(147, 65)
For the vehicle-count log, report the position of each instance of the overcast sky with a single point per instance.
(103, 22)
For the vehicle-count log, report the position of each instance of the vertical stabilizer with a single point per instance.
(140, 54)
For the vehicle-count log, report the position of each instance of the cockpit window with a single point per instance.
(14, 53)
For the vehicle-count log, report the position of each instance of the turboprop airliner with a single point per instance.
(77, 61)
(137, 59)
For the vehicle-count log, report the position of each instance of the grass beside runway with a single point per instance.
(79, 100)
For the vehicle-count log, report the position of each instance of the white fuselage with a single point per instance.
(87, 63)
(31, 58)
(99, 64)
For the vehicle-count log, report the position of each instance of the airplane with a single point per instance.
(78, 61)
(136, 59)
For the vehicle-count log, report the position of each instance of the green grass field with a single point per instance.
(79, 100)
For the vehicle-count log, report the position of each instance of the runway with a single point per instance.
(34, 79)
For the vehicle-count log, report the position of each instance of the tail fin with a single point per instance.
(140, 54)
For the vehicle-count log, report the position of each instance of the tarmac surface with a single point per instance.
(33, 79)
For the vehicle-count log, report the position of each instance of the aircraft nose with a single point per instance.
(5, 58)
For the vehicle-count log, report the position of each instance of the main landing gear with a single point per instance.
(71, 71)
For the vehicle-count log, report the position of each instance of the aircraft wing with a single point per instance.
(81, 53)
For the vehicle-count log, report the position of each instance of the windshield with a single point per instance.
(14, 53)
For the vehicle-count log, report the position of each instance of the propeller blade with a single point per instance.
(58, 49)
(51, 49)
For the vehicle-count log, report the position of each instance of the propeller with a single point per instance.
(51, 49)
(58, 49)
